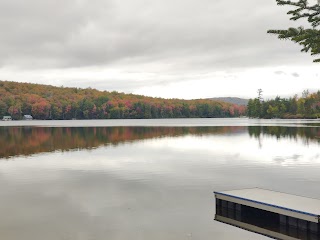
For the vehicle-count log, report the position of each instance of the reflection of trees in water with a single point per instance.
(307, 134)
(30, 140)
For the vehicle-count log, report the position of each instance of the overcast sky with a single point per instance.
(168, 48)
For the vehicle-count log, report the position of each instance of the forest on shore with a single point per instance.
(306, 106)
(49, 102)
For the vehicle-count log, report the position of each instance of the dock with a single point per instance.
(270, 213)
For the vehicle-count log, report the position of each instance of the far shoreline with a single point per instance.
(163, 122)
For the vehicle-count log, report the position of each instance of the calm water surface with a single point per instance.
(154, 182)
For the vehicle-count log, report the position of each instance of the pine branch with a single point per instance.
(309, 38)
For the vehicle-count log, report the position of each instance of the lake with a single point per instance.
(145, 179)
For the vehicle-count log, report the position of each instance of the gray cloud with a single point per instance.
(180, 33)
(295, 74)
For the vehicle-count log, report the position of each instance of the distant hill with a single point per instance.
(232, 100)
(49, 102)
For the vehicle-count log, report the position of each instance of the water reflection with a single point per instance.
(307, 133)
(30, 140)
(148, 183)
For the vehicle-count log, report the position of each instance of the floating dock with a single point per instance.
(274, 214)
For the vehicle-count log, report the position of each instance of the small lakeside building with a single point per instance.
(6, 118)
(27, 117)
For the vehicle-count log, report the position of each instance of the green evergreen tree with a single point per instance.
(250, 108)
(309, 38)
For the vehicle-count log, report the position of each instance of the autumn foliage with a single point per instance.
(49, 102)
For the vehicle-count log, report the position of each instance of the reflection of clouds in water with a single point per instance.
(282, 159)
(151, 189)
(110, 203)
(162, 155)
(315, 157)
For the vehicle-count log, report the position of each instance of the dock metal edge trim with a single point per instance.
(270, 205)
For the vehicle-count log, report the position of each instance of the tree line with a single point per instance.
(307, 106)
(49, 102)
